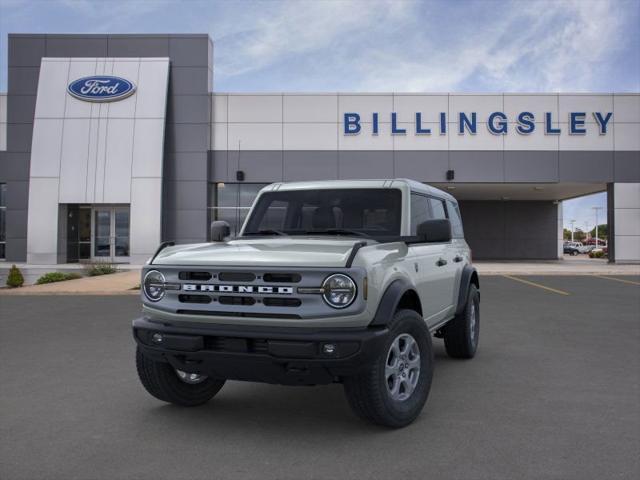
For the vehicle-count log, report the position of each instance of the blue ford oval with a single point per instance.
(101, 88)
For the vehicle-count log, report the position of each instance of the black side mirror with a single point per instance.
(434, 231)
(219, 230)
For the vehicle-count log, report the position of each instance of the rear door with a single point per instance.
(448, 264)
(459, 246)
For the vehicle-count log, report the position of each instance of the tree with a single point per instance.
(579, 235)
(603, 231)
(566, 234)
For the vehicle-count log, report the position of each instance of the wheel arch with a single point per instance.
(399, 294)
(469, 277)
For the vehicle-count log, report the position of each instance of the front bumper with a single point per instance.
(288, 356)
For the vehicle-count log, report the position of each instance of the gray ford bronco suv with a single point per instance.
(333, 281)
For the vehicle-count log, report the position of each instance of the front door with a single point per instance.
(111, 234)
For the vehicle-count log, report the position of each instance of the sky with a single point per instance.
(377, 45)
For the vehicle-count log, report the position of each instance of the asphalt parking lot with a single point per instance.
(554, 392)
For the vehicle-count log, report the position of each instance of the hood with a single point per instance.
(273, 252)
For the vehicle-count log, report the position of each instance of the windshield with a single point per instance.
(364, 212)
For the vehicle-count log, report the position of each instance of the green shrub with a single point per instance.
(15, 278)
(52, 277)
(596, 254)
(93, 270)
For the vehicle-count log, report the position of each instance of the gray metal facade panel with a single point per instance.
(531, 166)
(188, 109)
(586, 166)
(22, 108)
(365, 164)
(185, 166)
(218, 166)
(76, 46)
(484, 228)
(22, 81)
(19, 138)
(314, 165)
(186, 225)
(258, 166)
(477, 166)
(187, 137)
(26, 50)
(188, 80)
(16, 222)
(626, 166)
(189, 51)
(14, 167)
(511, 230)
(429, 166)
(185, 195)
(611, 223)
(16, 248)
(18, 194)
(138, 46)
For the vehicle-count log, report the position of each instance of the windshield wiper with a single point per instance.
(337, 231)
(266, 232)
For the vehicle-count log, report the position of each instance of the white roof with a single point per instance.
(412, 185)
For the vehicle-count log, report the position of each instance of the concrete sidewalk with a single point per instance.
(568, 266)
(113, 284)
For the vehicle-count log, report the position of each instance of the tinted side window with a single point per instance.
(455, 219)
(437, 209)
(419, 211)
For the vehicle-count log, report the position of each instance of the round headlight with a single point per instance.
(153, 285)
(339, 290)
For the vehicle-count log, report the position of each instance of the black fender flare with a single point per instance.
(469, 276)
(389, 302)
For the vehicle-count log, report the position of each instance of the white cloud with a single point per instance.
(532, 46)
(276, 33)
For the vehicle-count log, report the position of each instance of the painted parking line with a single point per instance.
(534, 284)
(630, 282)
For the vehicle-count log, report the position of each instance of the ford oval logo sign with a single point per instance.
(101, 88)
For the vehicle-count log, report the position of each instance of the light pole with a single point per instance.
(572, 222)
(596, 210)
(586, 231)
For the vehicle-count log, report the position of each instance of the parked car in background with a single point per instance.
(574, 248)
(592, 241)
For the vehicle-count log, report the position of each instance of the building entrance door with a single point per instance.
(110, 234)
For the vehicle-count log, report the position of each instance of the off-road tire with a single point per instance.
(367, 392)
(458, 339)
(161, 380)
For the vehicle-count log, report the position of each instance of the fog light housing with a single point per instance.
(339, 290)
(157, 338)
(329, 348)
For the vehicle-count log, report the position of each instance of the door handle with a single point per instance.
(457, 259)
(441, 262)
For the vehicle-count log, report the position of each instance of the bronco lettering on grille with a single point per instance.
(191, 287)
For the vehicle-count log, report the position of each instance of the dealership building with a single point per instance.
(110, 144)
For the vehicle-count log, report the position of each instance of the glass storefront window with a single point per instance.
(231, 202)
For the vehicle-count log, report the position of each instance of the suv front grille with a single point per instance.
(196, 276)
(269, 292)
(194, 298)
